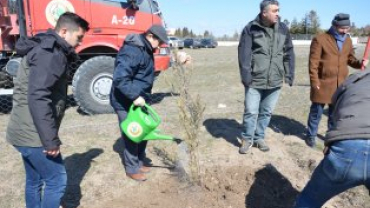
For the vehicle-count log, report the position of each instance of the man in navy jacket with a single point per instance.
(133, 79)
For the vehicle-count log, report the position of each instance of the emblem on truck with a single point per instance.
(55, 8)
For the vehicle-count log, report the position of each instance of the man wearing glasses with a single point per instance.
(330, 55)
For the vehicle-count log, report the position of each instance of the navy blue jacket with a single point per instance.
(134, 72)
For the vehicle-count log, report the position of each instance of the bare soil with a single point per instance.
(92, 150)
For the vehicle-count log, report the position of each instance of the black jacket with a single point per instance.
(40, 91)
(134, 72)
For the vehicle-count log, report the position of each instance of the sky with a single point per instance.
(228, 16)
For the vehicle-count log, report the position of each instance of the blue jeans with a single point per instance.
(43, 172)
(134, 154)
(314, 118)
(259, 104)
(347, 165)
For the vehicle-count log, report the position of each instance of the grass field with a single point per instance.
(91, 148)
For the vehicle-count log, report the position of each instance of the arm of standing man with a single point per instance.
(314, 61)
(46, 68)
(289, 59)
(354, 62)
(245, 56)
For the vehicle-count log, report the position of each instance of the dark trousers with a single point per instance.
(314, 118)
(134, 154)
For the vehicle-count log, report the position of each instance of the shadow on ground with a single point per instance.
(287, 126)
(77, 166)
(228, 129)
(270, 189)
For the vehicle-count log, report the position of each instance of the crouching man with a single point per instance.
(347, 147)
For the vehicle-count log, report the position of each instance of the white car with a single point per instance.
(175, 42)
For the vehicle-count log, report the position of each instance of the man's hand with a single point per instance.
(288, 81)
(53, 152)
(365, 62)
(182, 58)
(318, 87)
(139, 101)
(326, 150)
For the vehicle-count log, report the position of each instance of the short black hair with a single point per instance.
(266, 3)
(72, 22)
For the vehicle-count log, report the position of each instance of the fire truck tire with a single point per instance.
(92, 83)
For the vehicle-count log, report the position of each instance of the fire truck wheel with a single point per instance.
(92, 83)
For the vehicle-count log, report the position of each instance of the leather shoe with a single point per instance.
(136, 176)
(144, 169)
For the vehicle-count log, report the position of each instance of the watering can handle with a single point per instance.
(152, 112)
(150, 109)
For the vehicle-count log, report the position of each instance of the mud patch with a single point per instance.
(231, 187)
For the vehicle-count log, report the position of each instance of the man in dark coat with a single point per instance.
(39, 101)
(133, 79)
(330, 55)
(266, 61)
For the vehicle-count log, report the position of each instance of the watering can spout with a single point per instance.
(155, 135)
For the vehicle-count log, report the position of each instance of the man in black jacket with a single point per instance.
(133, 79)
(39, 101)
(266, 60)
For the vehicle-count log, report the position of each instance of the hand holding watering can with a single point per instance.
(140, 101)
(141, 124)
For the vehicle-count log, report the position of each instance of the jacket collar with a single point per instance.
(60, 42)
(258, 22)
(333, 42)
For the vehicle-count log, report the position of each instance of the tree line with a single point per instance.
(308, 25)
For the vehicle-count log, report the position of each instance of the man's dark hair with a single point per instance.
(266, 3)
(72, 22)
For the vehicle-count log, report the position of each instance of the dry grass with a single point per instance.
(91, 144)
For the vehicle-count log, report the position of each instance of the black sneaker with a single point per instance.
(246, 144)
(310, 141)
(261, 145)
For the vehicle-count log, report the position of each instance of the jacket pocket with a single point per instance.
(259, 66)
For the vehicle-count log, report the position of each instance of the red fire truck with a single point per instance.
(110, 22)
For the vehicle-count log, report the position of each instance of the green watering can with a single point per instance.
(141, 123)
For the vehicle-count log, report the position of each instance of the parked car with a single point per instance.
(175, 42)
(209, 43)
(192, 43)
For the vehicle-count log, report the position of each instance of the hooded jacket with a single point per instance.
(40, 91)
(266, 56)
(134, 72)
